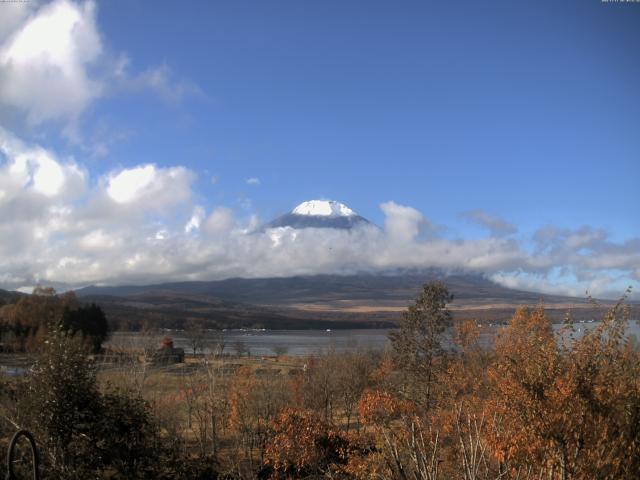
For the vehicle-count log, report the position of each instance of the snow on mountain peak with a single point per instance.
(325, 208)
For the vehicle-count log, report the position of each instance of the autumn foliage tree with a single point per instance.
(24, 324)
(253, 403)
(408, 445)
(303, 445)
(569, 411)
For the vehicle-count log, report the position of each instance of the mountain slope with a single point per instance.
(322, 289)
(9, 297)
(289, 290)
(365, 300)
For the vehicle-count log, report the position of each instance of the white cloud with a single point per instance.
(253, 181)
(50, 210)
(401, 222)
(44, 65)
(129, 184)
(141, 224)
(160, 80)
(604, 285)
(221, 220)
(585, 238)
(496, 225)
(522, 281)
(98, 240)
(150, 186)
(161, 234)
(35, 172)
(13, 15)
(196, 219)
(54, 65)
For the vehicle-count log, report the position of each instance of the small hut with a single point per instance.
(167, 353)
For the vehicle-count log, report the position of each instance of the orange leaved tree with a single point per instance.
(571, 411)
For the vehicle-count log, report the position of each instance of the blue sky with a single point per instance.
(445, 106)
(522, 112)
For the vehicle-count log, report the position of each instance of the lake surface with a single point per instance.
(307, 342)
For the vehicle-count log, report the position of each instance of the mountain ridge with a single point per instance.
(366, 300)
(291, 290)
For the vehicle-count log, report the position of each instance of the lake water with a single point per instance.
(309, 342)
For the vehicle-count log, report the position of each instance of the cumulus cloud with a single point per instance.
(253, 181)
(44, 65)
(57, 223)
(34, 172)
(496, 225)
(401, 222)
(221, 220)
(149, 186)
(196, 219)
(13, 15)
(54, 64)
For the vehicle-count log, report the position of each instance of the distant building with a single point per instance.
(167, 353)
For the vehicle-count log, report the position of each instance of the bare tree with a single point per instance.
(195, 334)
(352, 372)
(146, 349)
(215, 343)
(241, 348)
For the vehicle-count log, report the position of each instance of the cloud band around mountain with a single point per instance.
(143, 224)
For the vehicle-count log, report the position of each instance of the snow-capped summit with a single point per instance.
(329, 208)
(319, 214)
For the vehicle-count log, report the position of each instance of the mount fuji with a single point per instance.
(365, 299)
(319, 214)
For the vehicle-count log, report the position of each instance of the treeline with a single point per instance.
(25, 323)
(537, 405)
